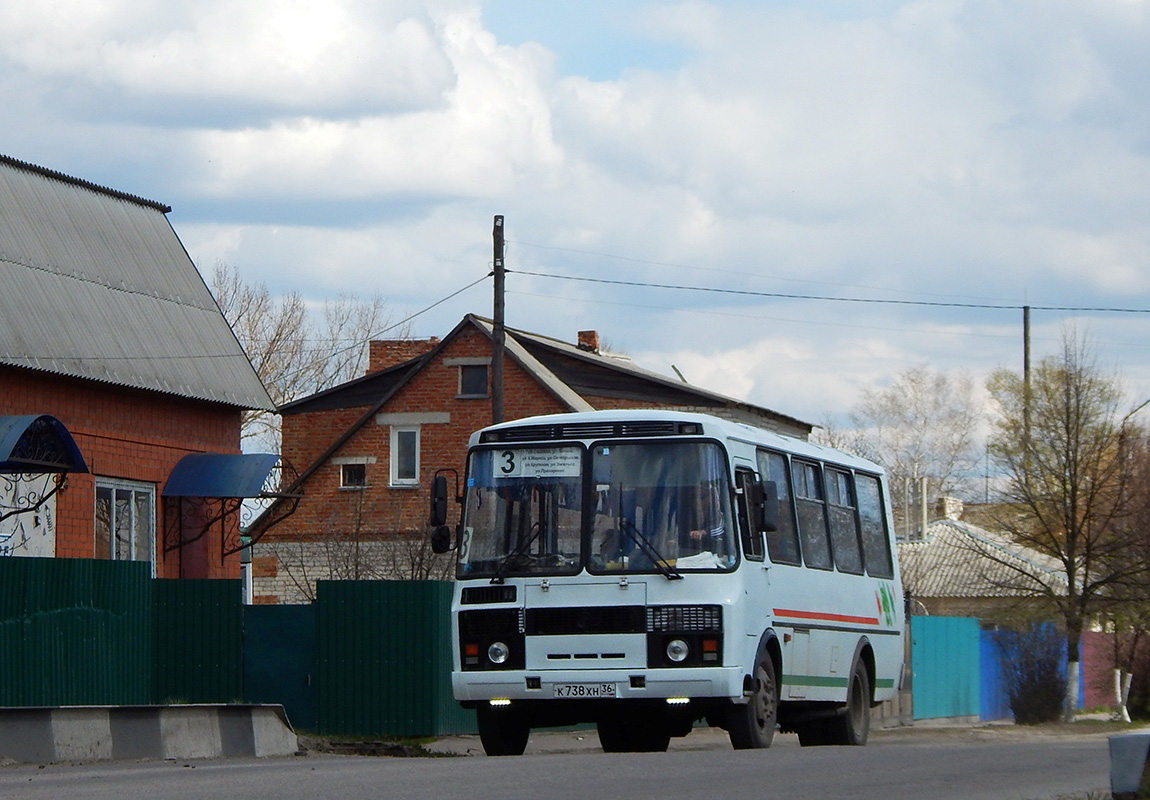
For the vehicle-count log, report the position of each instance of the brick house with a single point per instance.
(367, 449)
(115, 364)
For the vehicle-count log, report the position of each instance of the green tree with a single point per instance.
(1064, 448)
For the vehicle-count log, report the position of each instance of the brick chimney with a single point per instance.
(589, 340)
(389, 352)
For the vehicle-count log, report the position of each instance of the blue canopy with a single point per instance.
(37, 443)
(220, 475)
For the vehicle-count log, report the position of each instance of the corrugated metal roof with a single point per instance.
(97, 285)
(957, 559)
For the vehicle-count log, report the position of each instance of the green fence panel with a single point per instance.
(280, 660)
(384, 658)
(198, 633)
(946, 664)
(74, 632)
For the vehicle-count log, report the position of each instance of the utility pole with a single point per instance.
(500, 335)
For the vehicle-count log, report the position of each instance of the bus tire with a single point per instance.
(853, 726)
(502, 733)
(752, 724)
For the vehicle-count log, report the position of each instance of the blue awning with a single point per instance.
(37, 443)
(220, 475)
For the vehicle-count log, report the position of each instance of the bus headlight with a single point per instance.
(498, 653)
(677, 650)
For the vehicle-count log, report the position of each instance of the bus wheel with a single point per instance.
(753, 725)
(853, 727)
(502, 733)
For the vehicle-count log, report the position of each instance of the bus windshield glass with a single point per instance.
(660, 506)
(523, 513)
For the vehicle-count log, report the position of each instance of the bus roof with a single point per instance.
(713, 426)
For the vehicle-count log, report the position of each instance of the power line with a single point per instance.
(864, 300)
(742, 273)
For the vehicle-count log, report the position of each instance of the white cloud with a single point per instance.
(925, 150)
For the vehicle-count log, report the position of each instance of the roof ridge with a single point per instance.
(95, 187)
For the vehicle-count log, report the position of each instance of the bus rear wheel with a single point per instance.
(502, 733)
(851, 726)
(752, 725)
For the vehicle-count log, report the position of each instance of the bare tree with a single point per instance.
(922, 426)
(349, 548)
(295, 349)
(1063, 445)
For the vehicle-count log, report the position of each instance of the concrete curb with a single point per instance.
(102, 733)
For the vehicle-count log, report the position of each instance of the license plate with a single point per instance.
(585, 690)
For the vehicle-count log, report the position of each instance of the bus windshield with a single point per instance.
(651, 507)
(523, 512)
(660, 505)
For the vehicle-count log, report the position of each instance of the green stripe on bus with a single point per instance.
(815, 680)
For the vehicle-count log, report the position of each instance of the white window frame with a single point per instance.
(139, 490)
(395, 478)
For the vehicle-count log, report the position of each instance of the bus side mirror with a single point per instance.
(770, 506)
(438, 516)
(441, 540)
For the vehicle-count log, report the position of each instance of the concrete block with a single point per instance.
(190, 732)
(1128, 775)
(272, 732)
(81, 734)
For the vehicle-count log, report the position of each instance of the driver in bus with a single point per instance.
(708, 531)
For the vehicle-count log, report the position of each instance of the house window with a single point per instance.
(473, 380)
(352, 476)
(125, 525)
(404, 456)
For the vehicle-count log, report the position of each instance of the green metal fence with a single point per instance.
(369, 658)
(198, 632)
(74, 632)
(280, 660)
(385, 659)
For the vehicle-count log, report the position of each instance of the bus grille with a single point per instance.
(590, 619)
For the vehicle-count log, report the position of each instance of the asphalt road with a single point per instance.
(568, 766)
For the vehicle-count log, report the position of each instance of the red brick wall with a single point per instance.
(384, 353)
(131, 435)
(327, 511)
(1097, 669)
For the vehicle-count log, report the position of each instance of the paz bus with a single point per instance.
(647, 571)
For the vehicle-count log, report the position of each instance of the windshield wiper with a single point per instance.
(648, 549)
(519, 550)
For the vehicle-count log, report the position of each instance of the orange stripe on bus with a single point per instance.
(787, 612)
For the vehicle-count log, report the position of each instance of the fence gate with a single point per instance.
(945, 659)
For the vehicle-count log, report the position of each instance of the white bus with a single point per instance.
(648, 570)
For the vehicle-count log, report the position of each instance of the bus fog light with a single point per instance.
(677, 650)
(498, 653)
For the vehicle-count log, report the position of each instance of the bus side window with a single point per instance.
(875, 541)
(812, 514)
(782, 543)
(844, 526)
(752, 537)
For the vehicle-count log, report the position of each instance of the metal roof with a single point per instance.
(97, 285)
(958, 559)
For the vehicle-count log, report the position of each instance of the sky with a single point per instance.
(848, 189)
